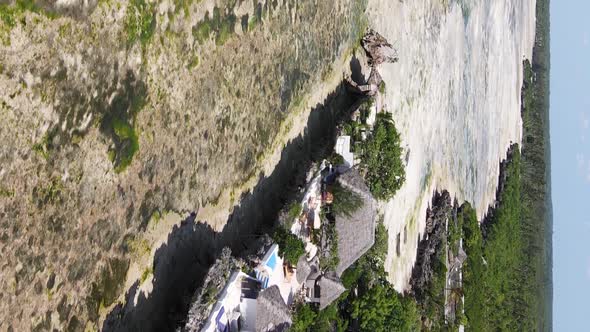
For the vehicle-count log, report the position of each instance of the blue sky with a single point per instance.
(570, 149)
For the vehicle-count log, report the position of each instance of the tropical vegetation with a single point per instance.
(290, 246)
(370, 304)
(495, 280)
(507, 276)
(381, 159)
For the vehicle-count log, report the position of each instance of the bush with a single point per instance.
(11, 13)
(329, 260)
(290, 246)
(118, 123)
(295, 210)
(381, 159)
(128, 144)
(336, 159)
(202, 31)
(383, 309)
(307, 318)
(303, 318)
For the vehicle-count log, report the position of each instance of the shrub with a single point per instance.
(225, 29)
(202, 31)
(295, 210)
(336, 159)
(128, 144)
(290, 246)
(49, 194)
(10, 14)
(118, 123)
(147, 272)
(303, 318)
(329, 260)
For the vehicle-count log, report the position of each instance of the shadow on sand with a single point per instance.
(181, 264)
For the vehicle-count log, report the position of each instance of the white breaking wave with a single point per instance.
(455, 97)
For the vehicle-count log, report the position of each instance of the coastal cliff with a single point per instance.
(119, 118)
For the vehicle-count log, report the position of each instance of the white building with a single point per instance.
(372, 116)
(256, 304)
(343, 148)
(235, 309)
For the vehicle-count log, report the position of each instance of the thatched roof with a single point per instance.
(272, 314)
(303, 269)
(356, 233)
(330, 290)
(315, 271)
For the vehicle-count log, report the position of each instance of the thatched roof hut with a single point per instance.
(356, 232)
(330, 290)
(315, 271)
(303, 269)
(272, 314)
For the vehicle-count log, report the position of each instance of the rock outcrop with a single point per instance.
(432, 243)
(378, 49)
(205, 297)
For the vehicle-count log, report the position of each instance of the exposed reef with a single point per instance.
(433, 242)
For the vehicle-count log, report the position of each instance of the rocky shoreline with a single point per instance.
(486, 222)
(433, 242)
(443, 210)
(440, 253)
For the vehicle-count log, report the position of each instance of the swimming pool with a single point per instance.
(272, 261)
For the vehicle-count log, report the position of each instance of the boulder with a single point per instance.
(378, 49)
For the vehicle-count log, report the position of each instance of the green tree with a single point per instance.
(295, 210)
(290, 246)
(382, 159)
(329, 319)
(303, 318)
(473, 269)
(500, 286)
(382, 309)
